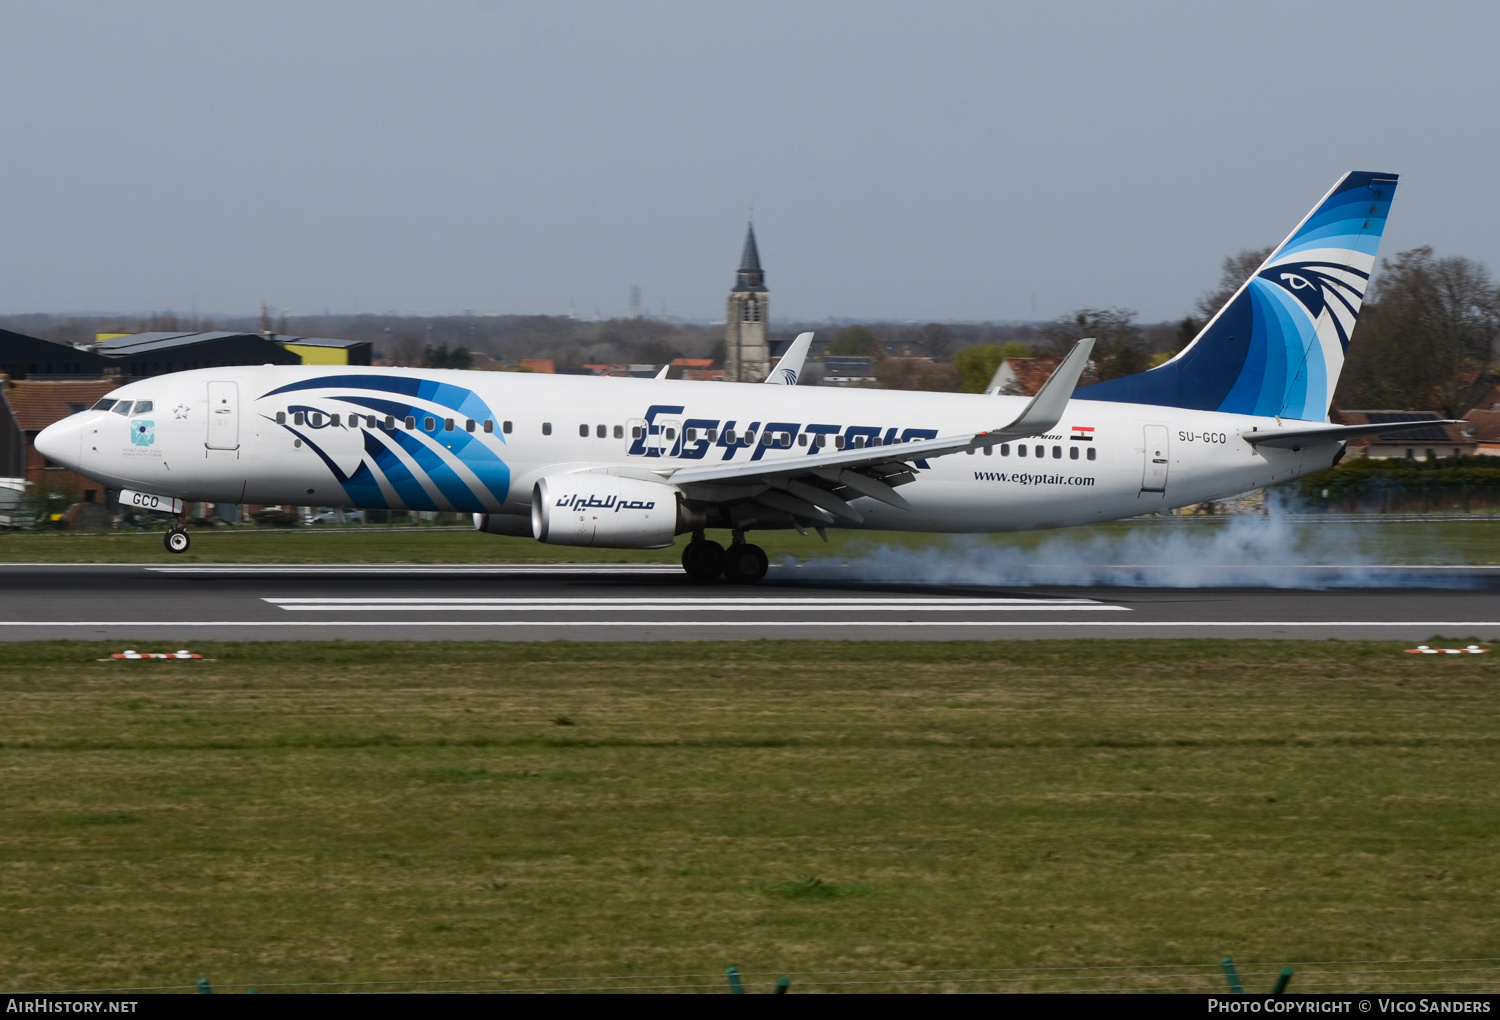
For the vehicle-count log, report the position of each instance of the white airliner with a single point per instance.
(633, 463)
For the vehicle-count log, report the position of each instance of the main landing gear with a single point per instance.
(742, 563)
(177, 540)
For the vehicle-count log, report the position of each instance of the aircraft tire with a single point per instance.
(177, 541)
(745, 563)
(703, 560)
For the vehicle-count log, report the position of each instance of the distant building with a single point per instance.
(1484, 429)
(143, 355)
(544, 366)
(26, 357)
(747, 356)
(851, 370)
(37, 403)
(1022, 377)
(319, 350)
(12, 447)
(701, 369)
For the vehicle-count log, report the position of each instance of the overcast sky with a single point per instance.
(948, 161)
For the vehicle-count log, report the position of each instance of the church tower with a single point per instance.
(747, 354)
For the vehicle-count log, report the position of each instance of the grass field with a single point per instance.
(1377, 540)
(873, 812)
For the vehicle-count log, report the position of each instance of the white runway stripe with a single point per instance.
(438, 570)
(770, 602)
(760, 624)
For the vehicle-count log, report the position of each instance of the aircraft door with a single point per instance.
(637, 437)
(669, 437)
(1154, 476)
(223, 416)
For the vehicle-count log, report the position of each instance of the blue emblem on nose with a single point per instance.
(142, 432)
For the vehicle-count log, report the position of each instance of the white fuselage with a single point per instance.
(267, 435)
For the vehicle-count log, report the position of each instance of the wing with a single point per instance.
(816, 487)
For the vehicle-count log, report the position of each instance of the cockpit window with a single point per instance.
(142, 407)
(104, 404)
(123, 407)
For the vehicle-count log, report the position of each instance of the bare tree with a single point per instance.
(1237, 268)
(1426, 337)
(1120, 345)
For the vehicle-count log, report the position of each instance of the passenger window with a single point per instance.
(299, 418)
(489, 426)
(765, 439)
(838, 442)
(802, 439)
(989, 451)
(637, 432)
(619, 431)
(713, 435)
(1057, 453)
(105, 403)
(970, 451)
(447, 424)
(601, 431)
(1005, 449)
(469, 425)
(390, 421)
(749, 438)
(333, 420)
(1072, 453)
(1092, 453)
(143, 406)
(1021, 450)
(1040, 451)
(546, 428)
(411, 423)
(583, 431)
(691, 435)
(671, 433)
(280, 417)
(315, 419)
(123, 407)
(506, 427)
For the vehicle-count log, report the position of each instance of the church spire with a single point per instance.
(750, 275)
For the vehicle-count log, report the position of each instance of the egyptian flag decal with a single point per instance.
(1083, 434)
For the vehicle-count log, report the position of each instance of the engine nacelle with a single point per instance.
(515, 525)
(603, 510)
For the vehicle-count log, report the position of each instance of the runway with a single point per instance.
(175, 605)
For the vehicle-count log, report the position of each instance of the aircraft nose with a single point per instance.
(62, 442)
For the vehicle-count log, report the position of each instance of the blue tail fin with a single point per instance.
(1276, 348)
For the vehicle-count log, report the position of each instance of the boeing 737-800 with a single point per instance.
(633, 463)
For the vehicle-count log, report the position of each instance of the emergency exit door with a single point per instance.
(1154, 476)
(223, 416)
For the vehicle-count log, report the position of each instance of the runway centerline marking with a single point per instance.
(682, 605)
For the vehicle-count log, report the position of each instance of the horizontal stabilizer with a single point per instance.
(1296, 439)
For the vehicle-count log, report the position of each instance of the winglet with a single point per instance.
(664, 370)
(1047, 407)
(789, 368)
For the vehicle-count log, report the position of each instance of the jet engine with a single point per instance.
(517, 525)
(589, 508)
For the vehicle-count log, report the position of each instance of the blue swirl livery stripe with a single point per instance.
(426, 469)
(1277, 347)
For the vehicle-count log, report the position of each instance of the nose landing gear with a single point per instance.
(177, 540)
